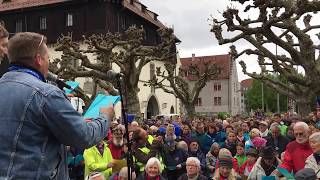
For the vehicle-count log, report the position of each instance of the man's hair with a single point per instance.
(273, 126)
(3, 32)
(194, 159)
(302, 124)
(23, 47)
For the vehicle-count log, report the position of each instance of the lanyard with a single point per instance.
(27, 70)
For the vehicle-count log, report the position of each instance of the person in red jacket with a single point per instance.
(297, 151)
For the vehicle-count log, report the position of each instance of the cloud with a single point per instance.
(189, 18)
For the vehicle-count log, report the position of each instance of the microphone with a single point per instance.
(54, 78)
(112, 75)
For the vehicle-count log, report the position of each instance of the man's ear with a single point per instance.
(37, 60)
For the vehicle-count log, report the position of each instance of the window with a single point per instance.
(19, 26)
(217, 86)
(217, 101)
(43, 23)
(69, 20)
(123, 22)
(198, 102)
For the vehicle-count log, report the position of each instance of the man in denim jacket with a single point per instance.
(36, 118)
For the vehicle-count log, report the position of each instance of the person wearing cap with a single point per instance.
(263, 127)
(116, 144)
(265, 164)
(252, 156)
(313, 161)
(225, 170)
(193, 170)
(195, 151)
(276, 140)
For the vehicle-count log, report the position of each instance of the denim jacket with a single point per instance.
(36, 122)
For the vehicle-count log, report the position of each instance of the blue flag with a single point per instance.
(73, 85)
(100, 101)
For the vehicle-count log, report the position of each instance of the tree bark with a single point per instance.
(131, 101)
(303, 104)
(190, 109)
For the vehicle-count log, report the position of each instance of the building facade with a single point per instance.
(245, 85)
(221, 94)
(85, 17)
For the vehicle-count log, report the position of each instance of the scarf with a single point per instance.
(148, 177)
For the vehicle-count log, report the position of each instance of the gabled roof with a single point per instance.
(148, 15)
(247, 83)
(19, 4)
(222, 61)
(134, 7)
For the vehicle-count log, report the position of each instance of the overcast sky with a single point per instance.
(189, 18)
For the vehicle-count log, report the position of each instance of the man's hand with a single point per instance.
(110, 165)
(107, 112)
(179, 166)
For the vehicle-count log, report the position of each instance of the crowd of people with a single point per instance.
(44, 137)
(212, 148)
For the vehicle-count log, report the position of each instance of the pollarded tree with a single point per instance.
(126, 50)
(180, 85)
(277, 24)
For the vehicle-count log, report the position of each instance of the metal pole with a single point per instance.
(125, 120)
(262, 94)
(278, 97)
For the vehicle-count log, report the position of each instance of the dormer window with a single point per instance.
(69, 19)
(43, 23)
(19, 26)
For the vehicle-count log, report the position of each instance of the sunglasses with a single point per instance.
(298, 134)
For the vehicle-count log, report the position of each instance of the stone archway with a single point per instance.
(152, 107)
(171, 110)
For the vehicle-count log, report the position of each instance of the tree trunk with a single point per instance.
(190, 110)
(303, 104)
(132, 103)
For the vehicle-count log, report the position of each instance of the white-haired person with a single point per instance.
(313, 161)
(193, 170)
(152, 170)
(297, 151)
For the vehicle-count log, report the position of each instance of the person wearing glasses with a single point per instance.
(297, 151)
(37, 121)
(193, 170)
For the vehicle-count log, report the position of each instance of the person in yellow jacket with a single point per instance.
(98, 159)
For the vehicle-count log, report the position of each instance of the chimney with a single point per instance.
(193, 57)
